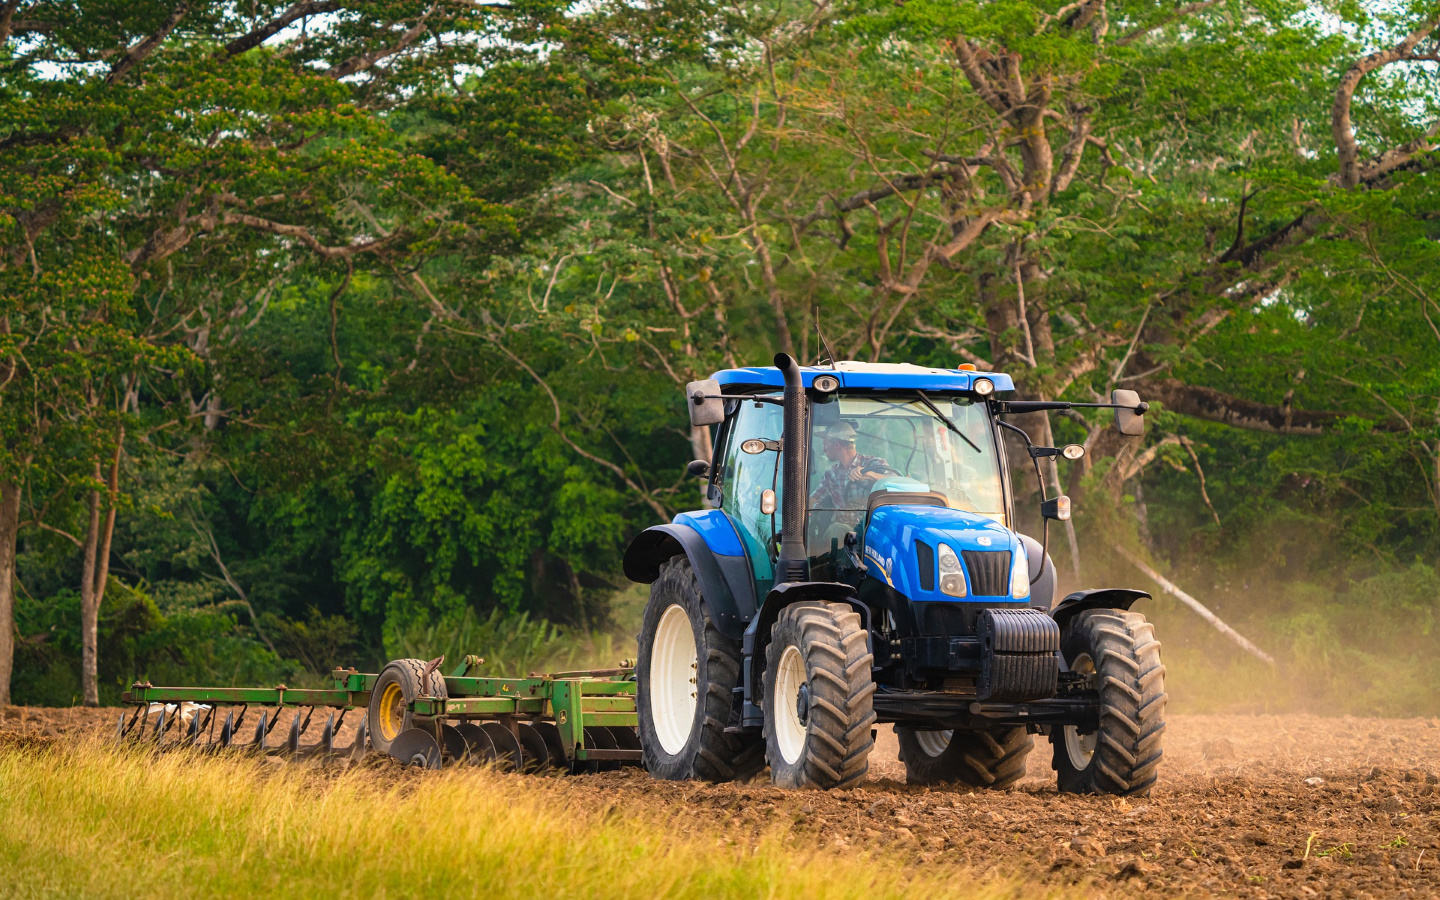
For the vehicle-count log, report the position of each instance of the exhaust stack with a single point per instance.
(794, 564)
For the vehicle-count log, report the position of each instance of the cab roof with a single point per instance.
(862, 376)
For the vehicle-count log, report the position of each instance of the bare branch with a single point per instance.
(363, 61)
(1216, 406)
(273, 27)
(136, 54)
(1341, 126)
(1182, 12)
(557, 426)
(301, 234)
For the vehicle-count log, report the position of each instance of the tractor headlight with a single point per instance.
(983, 386)
(952, 577)
(1019, 573)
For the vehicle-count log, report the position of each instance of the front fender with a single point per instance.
(1095, 598)
(726, 584)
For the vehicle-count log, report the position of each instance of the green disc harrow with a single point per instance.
(569, 721)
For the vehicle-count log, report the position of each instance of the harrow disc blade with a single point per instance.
(327, 738)
(158, 734)
(536, 753)
(416, 747)
(600, 738)
(625, 739)
(120, 728)
(292, 741)
(457, 751)
(480, 750)
(554, 747)
(260, 732)
(361, 746)
(508, 754)
(227, 731)
(197, 724)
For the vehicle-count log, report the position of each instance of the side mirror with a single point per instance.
(1129, 412)
(698, 468)
(1056, 508)
(706, 407)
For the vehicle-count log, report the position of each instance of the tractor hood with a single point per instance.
(902, 548)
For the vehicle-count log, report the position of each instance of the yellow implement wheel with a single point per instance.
(391, 720)
(400, 682)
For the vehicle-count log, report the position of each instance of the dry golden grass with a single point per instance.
(92, 821)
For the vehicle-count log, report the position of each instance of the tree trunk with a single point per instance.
(94, 575)
(9, 527)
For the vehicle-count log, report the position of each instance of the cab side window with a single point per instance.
(748, 475)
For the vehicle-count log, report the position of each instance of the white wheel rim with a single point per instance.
(934, 743)
(1081, 747)
(784, 704)
(673, 669)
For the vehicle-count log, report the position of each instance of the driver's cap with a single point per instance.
(841, 432)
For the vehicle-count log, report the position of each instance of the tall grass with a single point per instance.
(512, 645)
(97, 822)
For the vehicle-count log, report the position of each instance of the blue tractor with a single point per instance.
(860, 564)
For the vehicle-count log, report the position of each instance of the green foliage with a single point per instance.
(389, 330)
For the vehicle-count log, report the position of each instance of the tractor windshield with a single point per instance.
(865, 443)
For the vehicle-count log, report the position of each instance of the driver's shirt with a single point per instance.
(831, 493)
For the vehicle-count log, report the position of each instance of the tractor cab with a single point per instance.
(860, 542)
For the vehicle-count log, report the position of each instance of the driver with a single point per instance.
(849, 467)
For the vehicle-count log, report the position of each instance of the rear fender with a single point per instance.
(1095, 598)
(726, 584)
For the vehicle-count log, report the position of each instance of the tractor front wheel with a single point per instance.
(980, 759)
(1117, 653)
(685, 674)
(819, 713)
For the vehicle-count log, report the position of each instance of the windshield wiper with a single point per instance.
(946, 419)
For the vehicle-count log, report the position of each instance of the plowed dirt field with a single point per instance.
(1251, 806)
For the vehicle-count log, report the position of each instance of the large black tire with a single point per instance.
(1118, 651)
(684, 744)
(399, 683)
(980, 759)
(819, 714)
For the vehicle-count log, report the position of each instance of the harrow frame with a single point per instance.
(572, 701)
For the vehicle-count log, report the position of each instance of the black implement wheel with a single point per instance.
(1117, 652)
(992, 759)
(400, 682)
(818, 697)
(685, 676)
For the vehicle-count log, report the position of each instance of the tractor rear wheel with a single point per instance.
(686, 673)
(400, 682)
(1117, 652)
(992, 759)
(819, 714)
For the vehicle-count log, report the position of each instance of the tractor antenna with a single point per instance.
(826, 344)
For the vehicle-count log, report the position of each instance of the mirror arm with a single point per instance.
(1016, 407)
(697, 399)
(1034, 456)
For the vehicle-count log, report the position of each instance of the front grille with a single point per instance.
(989, 572)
